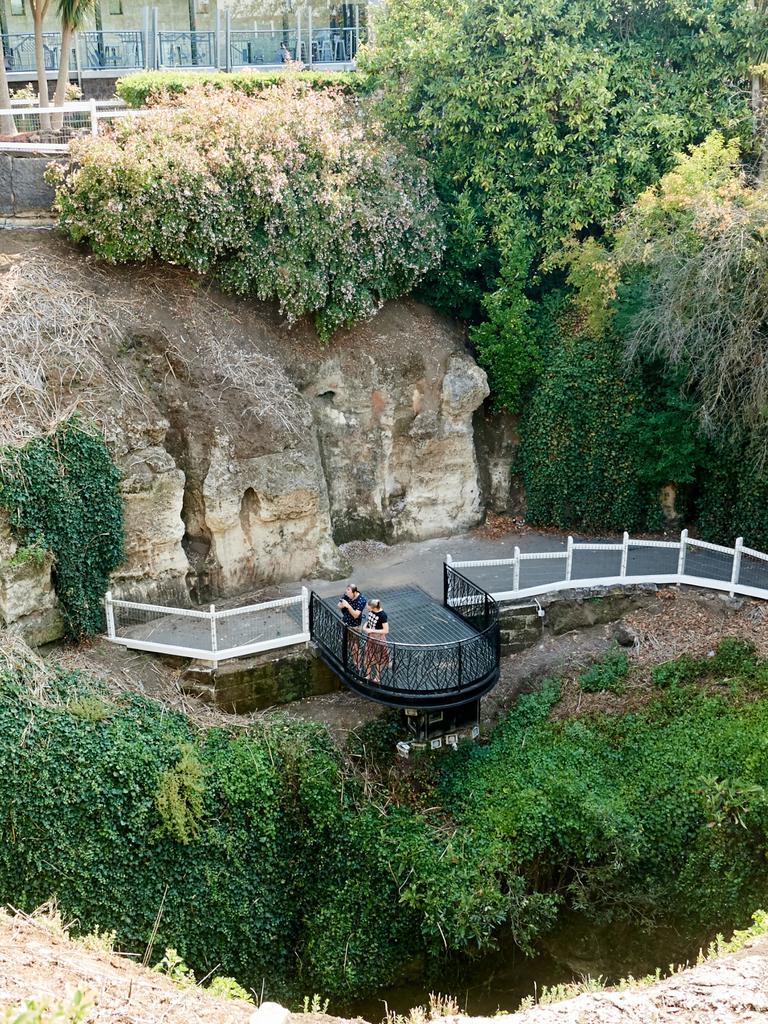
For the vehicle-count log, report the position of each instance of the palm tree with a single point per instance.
(39, 9)
(73, 14)
(7, 126)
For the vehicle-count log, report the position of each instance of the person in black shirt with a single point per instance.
(352, 606)
(376, 630)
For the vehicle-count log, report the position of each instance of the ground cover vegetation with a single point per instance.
(61, 495)
(543, 123)
(286, 195)
(199, 840)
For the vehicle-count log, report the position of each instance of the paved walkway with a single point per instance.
(378, 569)
(421, 562)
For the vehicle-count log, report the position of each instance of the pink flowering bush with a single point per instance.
(286, 195)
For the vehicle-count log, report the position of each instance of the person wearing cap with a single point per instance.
(352, 605)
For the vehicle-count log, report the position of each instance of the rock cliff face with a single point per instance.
(392, 403)
(248, 451)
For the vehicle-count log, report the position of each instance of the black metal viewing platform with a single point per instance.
(437, 656)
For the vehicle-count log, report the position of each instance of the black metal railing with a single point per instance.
(112, 50)
(426, 676)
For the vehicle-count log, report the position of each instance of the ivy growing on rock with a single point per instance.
(61, 495)
(261, 852)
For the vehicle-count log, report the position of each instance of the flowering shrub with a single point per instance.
(280, 196)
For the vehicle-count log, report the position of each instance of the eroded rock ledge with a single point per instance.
(248, 451)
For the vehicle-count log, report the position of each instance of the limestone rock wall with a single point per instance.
(248, 451)
(393, 405)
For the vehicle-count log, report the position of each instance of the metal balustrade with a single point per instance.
(108, 50)
(186, 49)
(19, 49)
(209, 634)
(457, 662)
(736, 570)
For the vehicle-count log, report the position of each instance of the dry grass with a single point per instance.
(55, 338)
(39, 960)
(63, 335)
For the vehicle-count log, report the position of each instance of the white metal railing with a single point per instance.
(50, 129)
(209, 635)
(736, 570)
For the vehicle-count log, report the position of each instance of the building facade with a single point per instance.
(120, 36)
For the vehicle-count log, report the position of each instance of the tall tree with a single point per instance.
(39, 9)
(73, 14)
(760, 84)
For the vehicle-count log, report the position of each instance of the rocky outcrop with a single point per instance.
(393, 403)
(248, 451)
(27, 602)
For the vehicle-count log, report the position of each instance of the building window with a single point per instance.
(115, 6)
(17, 7)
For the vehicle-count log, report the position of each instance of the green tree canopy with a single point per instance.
(556, 114)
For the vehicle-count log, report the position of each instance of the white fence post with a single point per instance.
(449, 560)
(569, 559)
(94, 118)
(110, 611)
(736, 564)
(304, 610)
(681, 559)
(624, 555)
(516, 570)
(214, 638)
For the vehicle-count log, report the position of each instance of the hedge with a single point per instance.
(146, 87)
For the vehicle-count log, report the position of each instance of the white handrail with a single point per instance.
(729, 582)
(202, 637)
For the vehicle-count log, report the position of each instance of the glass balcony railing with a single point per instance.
(271, 47)
(336, 45)
(248, 49)
(116, 50)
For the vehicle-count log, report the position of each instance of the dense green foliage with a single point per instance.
(61, 495)
(148, 87)
(695, 242)
(608, 673)
(665, 807)
(285, 195)
(598, 441)
(733, 497)
(678, 290)
(261, 851)
(541, 123)
(550, 117)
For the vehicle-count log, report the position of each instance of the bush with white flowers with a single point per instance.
(289, 196)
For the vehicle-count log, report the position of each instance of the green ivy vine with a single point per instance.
(61, 494)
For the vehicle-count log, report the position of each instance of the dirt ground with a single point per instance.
(38, 961)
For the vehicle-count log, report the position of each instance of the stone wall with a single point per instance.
(23, 192)
(393, 404)
(262, 681)
(526, 624)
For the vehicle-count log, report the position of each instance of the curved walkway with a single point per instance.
(510, 569)
(584, 564)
